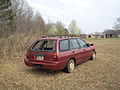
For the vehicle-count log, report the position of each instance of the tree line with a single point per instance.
(16, 16)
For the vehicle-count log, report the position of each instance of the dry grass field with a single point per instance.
(100, 74)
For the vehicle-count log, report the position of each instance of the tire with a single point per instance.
(93, 57)
(70, 66)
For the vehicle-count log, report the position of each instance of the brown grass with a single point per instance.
(101, 74)
(15, 45)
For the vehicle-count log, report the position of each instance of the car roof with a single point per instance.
(57, 38)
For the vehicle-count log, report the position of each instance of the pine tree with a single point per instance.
(6, 17)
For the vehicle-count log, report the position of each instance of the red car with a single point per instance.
(57, 53)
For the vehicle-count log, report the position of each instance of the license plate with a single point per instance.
(40, 57)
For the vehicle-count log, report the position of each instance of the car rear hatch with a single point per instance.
(42, 51)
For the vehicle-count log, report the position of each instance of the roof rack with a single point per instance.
(64, 36)
(60, 36)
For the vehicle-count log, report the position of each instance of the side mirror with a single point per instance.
(91, 44)
(88, 45)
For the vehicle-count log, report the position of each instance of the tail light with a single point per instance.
(54, 56)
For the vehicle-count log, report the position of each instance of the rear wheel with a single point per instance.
(93, 57)
(70, 66)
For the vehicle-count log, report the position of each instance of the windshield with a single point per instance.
(45, 45)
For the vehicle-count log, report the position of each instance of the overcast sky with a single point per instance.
(91, 15)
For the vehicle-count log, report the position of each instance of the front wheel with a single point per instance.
(93, 57)
(70, 66)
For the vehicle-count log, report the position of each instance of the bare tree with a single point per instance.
(22, 15)
(117, 24)
(39, 24)
(24, 19)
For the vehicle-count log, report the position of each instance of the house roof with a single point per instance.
(109, 32)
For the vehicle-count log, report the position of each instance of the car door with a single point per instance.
(64, 50)
(76, 50)
(86, 49)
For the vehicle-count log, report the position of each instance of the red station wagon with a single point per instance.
(57, 53)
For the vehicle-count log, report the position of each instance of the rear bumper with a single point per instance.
(53, 65)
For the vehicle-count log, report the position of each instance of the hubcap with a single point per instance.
(94, 56)
(71, 66)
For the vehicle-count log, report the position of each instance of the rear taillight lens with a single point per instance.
(54, 57)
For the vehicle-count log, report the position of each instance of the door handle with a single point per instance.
(84, 49)
(73, 51)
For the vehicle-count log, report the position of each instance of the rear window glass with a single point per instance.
(64, 45)
(45, 45)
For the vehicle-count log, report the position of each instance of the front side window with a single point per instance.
(74, 44)
(82, 43)
(45, 45)
(64, 45)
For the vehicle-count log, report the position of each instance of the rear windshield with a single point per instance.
(44, 45)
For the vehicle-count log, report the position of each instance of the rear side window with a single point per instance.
(45, 45)
(64, 45)
(74, 44)
(82, 43)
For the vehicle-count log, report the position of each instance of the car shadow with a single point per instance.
(38, 71)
